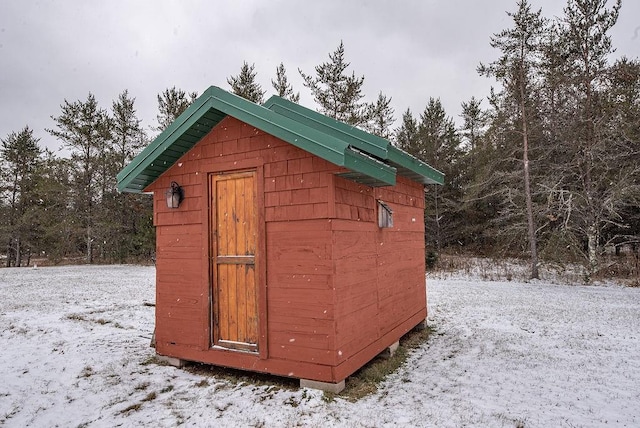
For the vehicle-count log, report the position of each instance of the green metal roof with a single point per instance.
(370, 160)
(405, 164)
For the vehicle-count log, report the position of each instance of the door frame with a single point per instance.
(230, 264)
(231, 167)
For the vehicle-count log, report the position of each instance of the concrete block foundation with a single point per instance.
(422, 326)
(388, 352)
(323, 386)
(172, 361)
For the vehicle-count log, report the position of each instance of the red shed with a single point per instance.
(297, 248)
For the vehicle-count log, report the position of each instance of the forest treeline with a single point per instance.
(545, 168)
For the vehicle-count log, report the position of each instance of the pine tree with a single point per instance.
(594, 161)
(338, 94)
(438, 144)
(171, 103)
(406, 135)
(479, 201)
(128, 135)
(622, 132)
(283, 87)
(20, 155)
(127, 213)
(245, 85)
(85, 129)
(439, 140)
(55, 196)
(380, 117)
(515, 70)
(474, 122)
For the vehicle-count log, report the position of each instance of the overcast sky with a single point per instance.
(411, 50)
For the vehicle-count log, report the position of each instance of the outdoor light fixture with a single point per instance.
(174, 195)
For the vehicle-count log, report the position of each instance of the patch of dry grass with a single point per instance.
(366, 381)
(362, 383)
(623, 269)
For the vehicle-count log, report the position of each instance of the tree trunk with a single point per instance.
(89, 246)
(437, 221)
(636, 253)
(592, 248)
(531, 227)
(18, 253)
(9, 253)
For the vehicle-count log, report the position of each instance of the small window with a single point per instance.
(385, 215)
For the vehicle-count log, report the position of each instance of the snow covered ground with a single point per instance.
(74, 351)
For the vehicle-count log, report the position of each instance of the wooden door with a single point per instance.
(234, 241)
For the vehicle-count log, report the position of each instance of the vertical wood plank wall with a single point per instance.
(380, 273)
(339, 289)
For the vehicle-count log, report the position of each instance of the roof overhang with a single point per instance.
(369, 159)
(378, 147)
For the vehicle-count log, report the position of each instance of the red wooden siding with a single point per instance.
(370, 317)
(300, 291)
